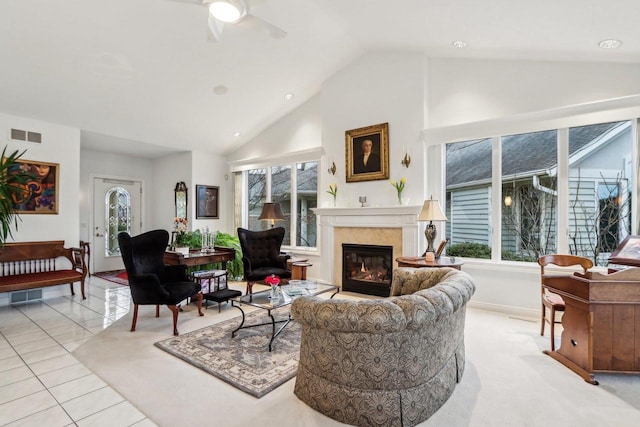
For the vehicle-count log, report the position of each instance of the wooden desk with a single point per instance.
(420, 262)
(600, 333)
(220, 254)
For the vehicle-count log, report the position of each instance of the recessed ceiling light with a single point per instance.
(610, 44)
(288, 97)
(225, 11)
(460, 44)
(237, 134)
(220, 90)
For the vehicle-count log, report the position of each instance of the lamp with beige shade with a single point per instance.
(431, 211)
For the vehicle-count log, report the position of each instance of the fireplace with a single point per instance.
(367, 269)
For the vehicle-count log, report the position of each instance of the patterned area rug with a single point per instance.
(115, 276)
(244, 361)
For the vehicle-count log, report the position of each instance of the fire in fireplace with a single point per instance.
(367, 269)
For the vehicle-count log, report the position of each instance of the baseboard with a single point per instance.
(505, 309)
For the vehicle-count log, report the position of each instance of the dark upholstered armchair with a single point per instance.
(261, 255)
(151, 281)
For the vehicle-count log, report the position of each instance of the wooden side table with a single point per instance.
(420, 262)
(298, 267)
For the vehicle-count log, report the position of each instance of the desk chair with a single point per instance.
(554, 301)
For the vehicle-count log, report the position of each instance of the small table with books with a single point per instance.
(288, 294)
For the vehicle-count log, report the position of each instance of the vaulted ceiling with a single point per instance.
(140, 76)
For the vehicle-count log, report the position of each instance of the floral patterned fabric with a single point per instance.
(385, 362)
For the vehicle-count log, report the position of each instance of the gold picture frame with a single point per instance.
(376, 137)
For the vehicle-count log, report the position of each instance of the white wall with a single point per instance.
(60, 144)
(167, 171)
(298, 131)
(375, 88)
(468, 90)
(211, 169)
(112, 165)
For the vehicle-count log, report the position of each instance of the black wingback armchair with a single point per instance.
(151, 281)
(261, 255)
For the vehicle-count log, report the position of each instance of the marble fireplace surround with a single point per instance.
(395, 226)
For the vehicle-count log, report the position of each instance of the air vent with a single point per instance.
(19, 134)
(24, 296)
(23, 135)
(34, 137)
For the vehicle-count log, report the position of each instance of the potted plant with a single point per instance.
(13, 184)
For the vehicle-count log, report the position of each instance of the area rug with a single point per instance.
(115, 276)
(244, 361)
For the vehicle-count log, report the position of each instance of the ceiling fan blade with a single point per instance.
(214, 29)
(260, 25)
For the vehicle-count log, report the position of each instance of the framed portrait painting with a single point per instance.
(207, 201)
(39, 193)
(367, 153)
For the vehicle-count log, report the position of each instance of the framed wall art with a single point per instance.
(207, 201)
(367, 153)
(40, 192)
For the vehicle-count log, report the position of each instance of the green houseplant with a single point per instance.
(13, 184)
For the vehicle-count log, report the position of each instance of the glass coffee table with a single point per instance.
(289, 293)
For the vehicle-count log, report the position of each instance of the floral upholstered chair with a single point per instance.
(391, 361)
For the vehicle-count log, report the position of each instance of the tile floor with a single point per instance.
(41, 383)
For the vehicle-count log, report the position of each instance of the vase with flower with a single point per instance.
(274, 281)
(333, 190)
(399, 186)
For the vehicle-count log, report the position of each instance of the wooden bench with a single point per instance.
(29, 265)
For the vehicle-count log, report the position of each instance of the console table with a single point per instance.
(219, 254)
(421, 262)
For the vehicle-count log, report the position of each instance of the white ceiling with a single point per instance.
(137, 76)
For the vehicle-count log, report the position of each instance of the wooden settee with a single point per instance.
(29, 265)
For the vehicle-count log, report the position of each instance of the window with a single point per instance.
(599, 160)
(306, 198)
(295, 188)
(600, 182)
(256, 196)
(468, 206)
(529, 208)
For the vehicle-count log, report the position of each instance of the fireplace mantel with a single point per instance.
(388, 217)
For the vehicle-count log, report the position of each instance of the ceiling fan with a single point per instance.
(235, 12)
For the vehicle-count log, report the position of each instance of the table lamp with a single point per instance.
(271, 212)
(431, 211)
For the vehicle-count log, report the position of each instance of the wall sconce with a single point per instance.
(332, 168)
(508, 201)
(406, 160)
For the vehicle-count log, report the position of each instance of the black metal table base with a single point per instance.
(273, 322)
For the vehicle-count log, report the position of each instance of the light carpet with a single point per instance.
(243, 361)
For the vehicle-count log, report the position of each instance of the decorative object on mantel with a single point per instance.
(333, 190)
(362, 200)
(399, 185)
(431, 211)
(367, 151)
(271, 212)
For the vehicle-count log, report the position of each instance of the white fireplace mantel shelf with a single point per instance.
(386, 216)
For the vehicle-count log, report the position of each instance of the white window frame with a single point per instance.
(561, 119)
